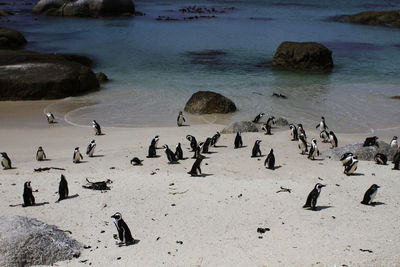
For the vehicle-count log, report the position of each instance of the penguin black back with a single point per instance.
(193, 142)
(63, 188)
(396, 160)
(371, 141)
(256, 152)
(196, 170)
(270, 160)
(29, 199)
(170, 155)
(238, 140)
(258, 117)
(179, 152)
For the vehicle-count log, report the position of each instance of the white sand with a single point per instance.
(216, 216)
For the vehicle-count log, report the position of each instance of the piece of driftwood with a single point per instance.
(48, 168)
(178, 193)
(283, 189)
(102, 185)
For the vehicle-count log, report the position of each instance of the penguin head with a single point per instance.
(117, 216)
(323, 119)
(178, 145)
(300, 125)
(375, 186)
(93, 142)
(318, 186)
(40, 148)
(314, 141)
(258, 142)
(271, 151)
(28, 185)
(238, 133)
(4, 154)
(165, 147)
(394, 137)
(180, 113)
(76, 148)
(94, 122)
(62, 177)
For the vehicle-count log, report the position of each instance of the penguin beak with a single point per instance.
(323, 185)
(377, 186)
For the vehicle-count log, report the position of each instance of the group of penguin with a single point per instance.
(349, 161)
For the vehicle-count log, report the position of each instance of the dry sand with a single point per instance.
(215, 216)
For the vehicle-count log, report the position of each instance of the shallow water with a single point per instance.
(154, 66)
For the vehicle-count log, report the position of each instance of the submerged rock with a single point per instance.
(207, 102)
(241, 126)
(26, 241)
(10, 38)
(391, 18)
(308, 56)
(101, 77)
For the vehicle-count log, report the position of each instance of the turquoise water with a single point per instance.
(154, 70)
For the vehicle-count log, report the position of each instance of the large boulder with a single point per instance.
(26, 241)
(85, 8)
(308, 56)
(26, 75)
(391, 18)
(206, 102)
(241, 126)
(10, 38)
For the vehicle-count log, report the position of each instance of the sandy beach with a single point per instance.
(212, 220)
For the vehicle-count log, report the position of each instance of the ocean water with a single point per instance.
(155, 66)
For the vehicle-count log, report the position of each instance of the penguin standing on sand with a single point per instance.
(322, 125)
(333, 139)
(29, 199)
(256, 152)
(238, 140)
(178, 151)
(40, 155)
(196, 170)
(258, 117)
(96, 128)
(90, 149)
(215, 139)
(124, 233)
(351, 166)
(370, 195)
(50, 118)
(270, 160)
(301, 130)
(77, 156)
(193, 142)
(346, 158)
(293, 132)
(136, 161)
(5, 161)
(396, 160)
(206, 145)
(302, 144)
(180, 120)
(380, 159)
(313, 197)
(152, 151)
(170, 155)
(63, 188)
(393, 143)
(314, 151)
(267, 128)
(324, 135)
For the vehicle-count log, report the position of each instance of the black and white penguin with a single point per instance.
(333, 139)
(370, 195)
(346, 158)
(77, 156)
(40, 155)
(302, 144)
(258, 117)
(154, 141)
(196, 170)
(314, 151)
(215, 139)
(271, 121)
(193, 142)
(324, 135)
(124, 233)
(238, 140)
(270, 160)
(5, 161)
(90, 149)
(256, 152)
(152, 151)
(380, 158)
(301, 130)
(50, 118)
(313, 197)
(293, 132)
(178, 151)
(136, 161)
(394, 143)
(351, 166)
(96, 128)
(322, 125)
(29, 199)
(396, 160)
(170, 155)
(205, 146)
(180, 120)
(63, 188)
(371, 141)
(267, 128)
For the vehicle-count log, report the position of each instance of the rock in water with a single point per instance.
(101, 77)
(241, 126)
(308, 56)
(10, 38)
(85, 8)
(26, 241)
(391, 17)
(206, 102)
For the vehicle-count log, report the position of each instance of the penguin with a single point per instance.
(258, 117)
(380, 159)
(351, 166)
(396, 160)
(324, 135)
(238, 140)
(270, 121)
(267, 128)
(370, 195)
(63, 188)
(178, 151)
(302, 144)
(332, 139)
(90, 149)
(322, 125)
(136, 161)
(124, 234)
(40, 155)
(301, 130)
(170, 155)
(206, 145)
(215, 139)
(270, 160)
(371, 141)
(96, 128)
(293, 132)
(193, 142)
(313, 197)
(29, 199)
(196, 170)
(180, 120)
(77, 156)
(154, 141)
(197, 151)
(5, 161)
(152, 151)
(256, 152)
(346, 158)
(393, 143)
(50, 118)
(313, 150)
